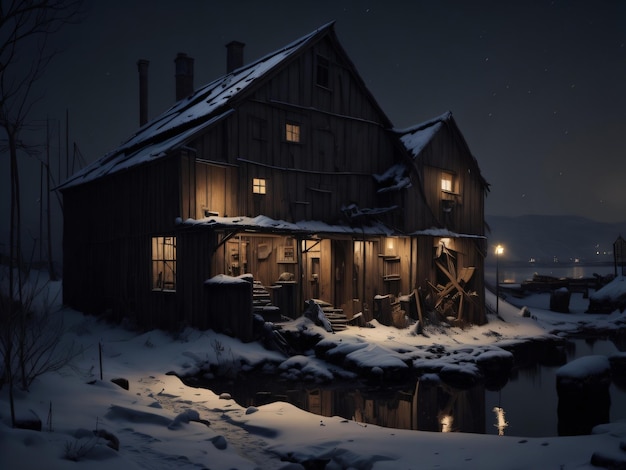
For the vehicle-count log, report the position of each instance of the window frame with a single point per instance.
(163, 257)
(322, 71)
(293, 132)
(259, 186)
(451, 177)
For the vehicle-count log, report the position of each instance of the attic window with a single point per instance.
(258, 128)
(292, 132)
(258, 185)
(447, 182)
(322, 75)
(164, 263)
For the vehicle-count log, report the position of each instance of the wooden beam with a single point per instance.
(418, 303)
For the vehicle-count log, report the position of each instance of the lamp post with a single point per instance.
(499, 251)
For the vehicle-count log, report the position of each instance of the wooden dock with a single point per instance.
(543, 283)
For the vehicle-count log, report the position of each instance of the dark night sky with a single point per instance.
(536, 87)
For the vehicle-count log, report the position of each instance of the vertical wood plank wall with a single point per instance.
(344, 141)
(108, 226)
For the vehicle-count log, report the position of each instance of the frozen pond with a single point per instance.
(530, 399)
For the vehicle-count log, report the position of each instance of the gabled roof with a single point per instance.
(206, 106)
(416, 138)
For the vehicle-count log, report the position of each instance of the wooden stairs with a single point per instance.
(262, 303)
(335, 316)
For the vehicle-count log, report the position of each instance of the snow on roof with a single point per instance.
(444, 233)
(394, 178)
(181, 122)
(262, 223)
(222, 279)
(126, 157)
(417, 137)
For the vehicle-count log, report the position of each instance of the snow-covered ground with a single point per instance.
(161, 423)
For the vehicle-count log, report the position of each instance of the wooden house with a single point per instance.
(287, 169)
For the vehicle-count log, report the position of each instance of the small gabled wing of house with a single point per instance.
(415, 139)
(206, 106)
(434, 148)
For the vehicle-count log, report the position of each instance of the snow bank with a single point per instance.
(584, 367)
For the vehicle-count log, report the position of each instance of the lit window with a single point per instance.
(447, 182)
(164, 263)
(292, 133)
(258, 185)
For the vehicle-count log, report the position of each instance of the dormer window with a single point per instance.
(292, 132)
(258, 185)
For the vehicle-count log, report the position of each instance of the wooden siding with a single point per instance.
(216, 190)
(344, 141)
(446, 154)
(343, 144)
(108, 225)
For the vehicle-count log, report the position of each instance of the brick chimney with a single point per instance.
(184, 76)
(142, 66)
(234, 55)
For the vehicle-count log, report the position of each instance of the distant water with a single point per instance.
(518, 273)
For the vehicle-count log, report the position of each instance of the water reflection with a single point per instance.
(528, 395)
(501, 422)
(428, 406)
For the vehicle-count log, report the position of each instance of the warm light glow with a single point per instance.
(390, 244)
(446, 423)
(292, 133)
(499, 250)
(258, 185)
(447, 182)
(501, 422)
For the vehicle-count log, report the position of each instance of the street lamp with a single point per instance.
(499, 251)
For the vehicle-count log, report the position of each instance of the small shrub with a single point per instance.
(79, 448)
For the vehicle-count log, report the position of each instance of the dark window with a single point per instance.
(323, 75)
(259, 128)
(164, 263)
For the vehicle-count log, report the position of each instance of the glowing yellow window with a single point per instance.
(292, 133)
(447, 182)
(258, 185)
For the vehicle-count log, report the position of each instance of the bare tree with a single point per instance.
(25, 27)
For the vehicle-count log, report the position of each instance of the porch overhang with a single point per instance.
(305, 229)
(445, 233)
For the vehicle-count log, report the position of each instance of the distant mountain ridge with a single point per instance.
(545, 238)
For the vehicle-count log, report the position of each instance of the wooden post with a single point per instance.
(100, 358)
(418, 302)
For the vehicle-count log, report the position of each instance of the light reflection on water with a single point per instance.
(517, 274)
(525, 406)
(531, 399)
